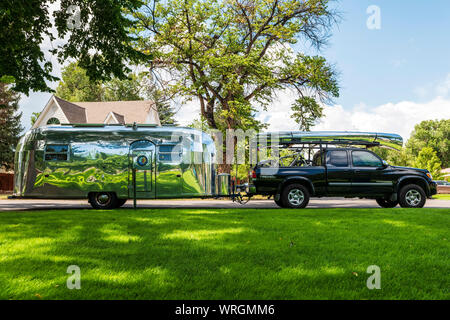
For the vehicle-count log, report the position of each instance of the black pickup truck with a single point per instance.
(343, 172)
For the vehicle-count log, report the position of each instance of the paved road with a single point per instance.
(31, 204)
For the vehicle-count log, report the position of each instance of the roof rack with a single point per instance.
(368, 139)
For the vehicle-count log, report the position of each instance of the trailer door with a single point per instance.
(142, 161)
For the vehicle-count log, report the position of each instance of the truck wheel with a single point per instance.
(295, 196)
(103, 200)
(279, 203)
(412, 196)
(385, 203)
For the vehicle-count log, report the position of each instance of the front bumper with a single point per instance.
(433, 188)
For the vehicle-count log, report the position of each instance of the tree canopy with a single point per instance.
(434, 134)
(97, 37)
(10, 127)
(76, 85)
(234, 55)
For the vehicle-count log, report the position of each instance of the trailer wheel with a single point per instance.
(103, 200)
(295, 196)
(412, 196)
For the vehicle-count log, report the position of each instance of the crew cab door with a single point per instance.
(370, 175)
(339, 173)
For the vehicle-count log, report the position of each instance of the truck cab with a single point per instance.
(342, 172)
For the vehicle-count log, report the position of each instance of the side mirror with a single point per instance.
(385, 163)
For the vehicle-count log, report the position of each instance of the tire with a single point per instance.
(121, 202)
(279, 203)
(385, 203)
(103, 200)
(412, 196)
(295, 196)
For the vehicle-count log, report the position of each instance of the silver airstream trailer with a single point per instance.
(109, 164)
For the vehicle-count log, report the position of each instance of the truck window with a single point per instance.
(365, 159)
(337, 158)
(317, 159)
(56, 152)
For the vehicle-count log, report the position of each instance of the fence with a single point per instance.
(6, 182)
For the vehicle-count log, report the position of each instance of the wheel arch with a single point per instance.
(421, 182)
(297, 179)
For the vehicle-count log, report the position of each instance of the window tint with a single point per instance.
(57, 148)
(56, 152)
(166, 148)
(365, 159)
(55, 157)
(337, 158)
(165, 157)
(168, 153)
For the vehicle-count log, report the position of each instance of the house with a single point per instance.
(60, 111)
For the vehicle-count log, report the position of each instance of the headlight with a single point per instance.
(429, 175)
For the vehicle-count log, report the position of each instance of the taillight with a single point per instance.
(253, 174)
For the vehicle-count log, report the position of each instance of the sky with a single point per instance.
(393, 71)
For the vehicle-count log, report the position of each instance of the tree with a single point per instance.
(75, 85)
(123, 89)
(34, 117)
(10, 127)
(428, 159)
(434, 134)
(306, 112)
(165, 110)
(96, 34)
(235, 55)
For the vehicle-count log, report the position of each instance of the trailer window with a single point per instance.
(167, 153)
(56, 152)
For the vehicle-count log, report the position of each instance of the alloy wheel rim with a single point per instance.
(103, 199)
(413, 197)
(296, 197)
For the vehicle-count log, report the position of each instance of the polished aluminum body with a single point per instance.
(70, 161)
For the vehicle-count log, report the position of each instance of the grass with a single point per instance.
(442, 196)
(225, 253)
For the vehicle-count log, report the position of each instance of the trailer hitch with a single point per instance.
(241, 198)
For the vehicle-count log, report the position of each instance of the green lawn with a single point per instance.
(442, 196)
(225, 253)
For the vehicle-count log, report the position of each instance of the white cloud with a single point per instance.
(398, 117)
(391, 117)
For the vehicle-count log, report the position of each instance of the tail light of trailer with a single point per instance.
(253, 174)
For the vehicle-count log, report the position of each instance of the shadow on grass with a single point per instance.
(225, 254)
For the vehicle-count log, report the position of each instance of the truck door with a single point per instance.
(339, 174)
(370, 176)
(142, 160)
